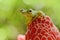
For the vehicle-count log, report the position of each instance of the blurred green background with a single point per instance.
(12, 22)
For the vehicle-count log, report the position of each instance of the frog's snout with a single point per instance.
(22, 11)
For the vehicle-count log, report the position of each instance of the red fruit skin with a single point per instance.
(42, 28)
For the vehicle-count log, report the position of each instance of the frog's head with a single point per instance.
(27, 13)
(31, 13)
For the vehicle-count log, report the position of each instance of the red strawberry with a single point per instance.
(42, 28)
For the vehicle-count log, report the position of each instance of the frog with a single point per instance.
(31, 14)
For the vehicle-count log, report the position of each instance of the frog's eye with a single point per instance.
(30, 10)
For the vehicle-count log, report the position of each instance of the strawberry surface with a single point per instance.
(42, 28)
